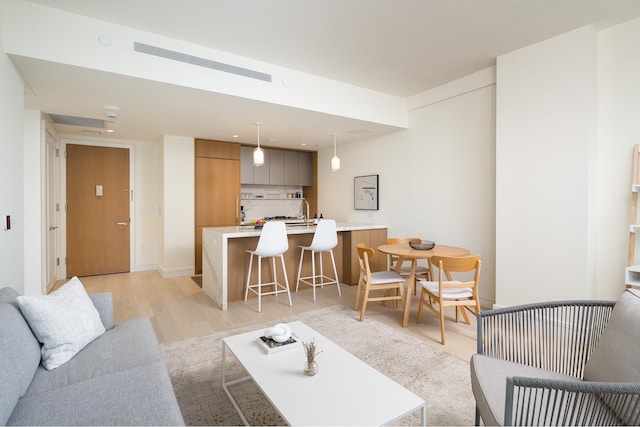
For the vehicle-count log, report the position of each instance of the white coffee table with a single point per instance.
(346, 391)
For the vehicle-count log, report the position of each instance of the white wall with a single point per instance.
(35, 279)
(178, 207)
(11, 169)
(437, 178)
(618, 132)
(148, 199)
(545, 170)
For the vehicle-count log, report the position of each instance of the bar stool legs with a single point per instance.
(324, 240)
(313, 279)
(273, 243)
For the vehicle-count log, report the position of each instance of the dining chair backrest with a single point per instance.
(364, 255)
(273, 239)
(325, 236)
(448, 265)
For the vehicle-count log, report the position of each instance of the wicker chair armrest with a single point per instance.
(557, 336)
(539, 401)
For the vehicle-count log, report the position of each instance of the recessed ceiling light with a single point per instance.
(104, 40)
(234, 136)
(303, 144)
(111, 111)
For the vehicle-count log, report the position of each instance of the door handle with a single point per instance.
(123, 223)
(53, 227)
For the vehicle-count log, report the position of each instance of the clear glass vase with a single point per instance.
(311, 368)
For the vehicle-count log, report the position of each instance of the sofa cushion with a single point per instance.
(64, 322)
(615, 358)
(128, 345)
(140, 396)
(10, 387)
(489, 383)
(19, 346)
(8, 295)
(104, 304)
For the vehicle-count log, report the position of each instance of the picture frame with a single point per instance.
(365, 192)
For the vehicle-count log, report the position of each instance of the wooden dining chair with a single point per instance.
(446, 291)
(369, 282)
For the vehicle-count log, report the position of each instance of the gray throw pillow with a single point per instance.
(615, 358)
(64, 322)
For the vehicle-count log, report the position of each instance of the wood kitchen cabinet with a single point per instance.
(217, 188)
(372, 239)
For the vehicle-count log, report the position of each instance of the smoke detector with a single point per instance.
(111, 111)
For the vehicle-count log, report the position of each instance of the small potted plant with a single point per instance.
(311, 351)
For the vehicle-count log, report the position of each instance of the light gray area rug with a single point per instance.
(440, 378)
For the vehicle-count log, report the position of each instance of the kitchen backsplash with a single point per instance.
(260, 201)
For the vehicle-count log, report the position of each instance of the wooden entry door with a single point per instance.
(97, 210)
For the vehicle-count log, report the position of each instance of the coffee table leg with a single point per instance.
(225, 386)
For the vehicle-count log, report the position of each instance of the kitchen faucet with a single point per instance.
(307, 217)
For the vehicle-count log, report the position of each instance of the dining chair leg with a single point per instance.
(421, 302)
(463, 310)
(442, 322)
(358, 292)
(365, 299)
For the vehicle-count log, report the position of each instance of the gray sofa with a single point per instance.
(559, 363)
(119, 378)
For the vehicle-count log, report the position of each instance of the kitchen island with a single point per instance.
(225, 260)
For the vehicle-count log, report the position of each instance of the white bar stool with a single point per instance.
(273, 243)
(325, 239)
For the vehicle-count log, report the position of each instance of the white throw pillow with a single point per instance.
(64, 322)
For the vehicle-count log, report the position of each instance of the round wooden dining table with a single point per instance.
(406, 252)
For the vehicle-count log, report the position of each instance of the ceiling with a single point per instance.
(398, 47)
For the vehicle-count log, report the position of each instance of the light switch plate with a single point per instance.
(99, 190)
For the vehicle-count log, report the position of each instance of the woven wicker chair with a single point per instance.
(559, 363)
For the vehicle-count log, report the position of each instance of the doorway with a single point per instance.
(98, 210)
(53, 211)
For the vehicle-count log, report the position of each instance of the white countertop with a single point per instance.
(251, 231)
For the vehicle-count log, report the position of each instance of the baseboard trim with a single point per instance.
(176, 272)
(146, 267)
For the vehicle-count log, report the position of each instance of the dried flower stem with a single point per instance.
(311, 350)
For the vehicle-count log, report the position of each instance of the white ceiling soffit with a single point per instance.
(397, 47)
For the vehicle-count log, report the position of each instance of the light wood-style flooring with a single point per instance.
(179, 309)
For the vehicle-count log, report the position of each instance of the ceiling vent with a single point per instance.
(201, 62)
(77, 121)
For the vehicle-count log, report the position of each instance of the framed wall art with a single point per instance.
(365, 192)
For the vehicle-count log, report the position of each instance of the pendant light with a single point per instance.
(258, 153)
(335, 160)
